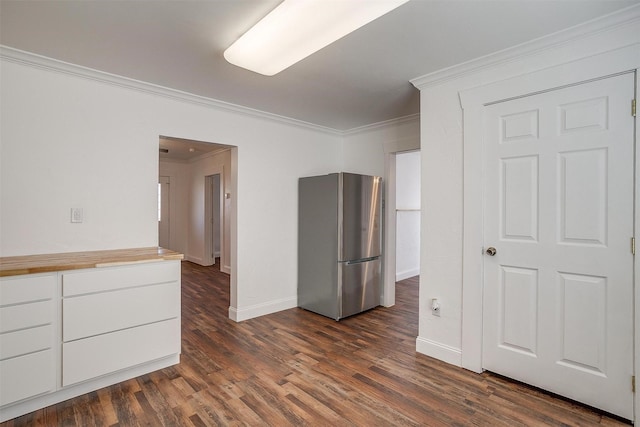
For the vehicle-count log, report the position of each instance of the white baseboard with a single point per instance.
(197, 260)
(439, 351)
(258, 310)
(193, 259)
(225, 269)
(408, 273)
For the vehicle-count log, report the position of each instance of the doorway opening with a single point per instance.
(407, 207)
(392, 149)
(202, 202)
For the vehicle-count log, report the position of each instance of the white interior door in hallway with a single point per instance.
(559, 196)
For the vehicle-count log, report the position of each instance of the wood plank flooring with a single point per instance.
(296, 368)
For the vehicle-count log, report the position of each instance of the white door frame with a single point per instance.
(473, 102)
(391, 148)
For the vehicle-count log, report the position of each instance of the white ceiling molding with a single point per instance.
(379, 125)
(54, 65)
(609, 22)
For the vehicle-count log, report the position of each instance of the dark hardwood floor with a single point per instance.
(297, 368)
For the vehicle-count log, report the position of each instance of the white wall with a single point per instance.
(70, 141)
(407, 215)
(365, 149)
(443, 164)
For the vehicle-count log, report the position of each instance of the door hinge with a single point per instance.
(633, 383)
(633, 246)
(633, 107)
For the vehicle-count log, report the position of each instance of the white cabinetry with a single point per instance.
(27, 336)
(118, 317)
(68, 333)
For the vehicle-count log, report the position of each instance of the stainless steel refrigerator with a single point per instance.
(339, 244)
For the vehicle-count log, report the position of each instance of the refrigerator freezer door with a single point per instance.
(360, 283)
(360, 216)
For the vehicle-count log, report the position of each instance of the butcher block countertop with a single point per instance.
(30, 264)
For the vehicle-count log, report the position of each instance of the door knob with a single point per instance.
(491, 251)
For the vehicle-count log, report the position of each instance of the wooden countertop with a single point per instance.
(45, 263)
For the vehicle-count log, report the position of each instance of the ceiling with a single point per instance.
(358, 80)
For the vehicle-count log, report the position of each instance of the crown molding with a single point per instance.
(375, 126)
(49, 64)
(623, 17)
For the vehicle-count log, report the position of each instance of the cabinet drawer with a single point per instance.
(91, 357)
(112, 278)
(20, 289)
(94, 314)
(18, 343)
(26, 315)
(27, 376)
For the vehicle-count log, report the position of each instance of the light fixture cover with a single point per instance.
(297, 28)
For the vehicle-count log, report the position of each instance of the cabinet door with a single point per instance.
(104, 312)
(27, 357)
(27, 376)
(22, 316)
(27, 288)
(103, 354)
(19, 343)
(108, 279)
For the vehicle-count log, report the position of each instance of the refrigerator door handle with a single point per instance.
(358, 261)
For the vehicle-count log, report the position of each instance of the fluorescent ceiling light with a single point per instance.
(297, 28)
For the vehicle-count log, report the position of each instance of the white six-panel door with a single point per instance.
(558, 293)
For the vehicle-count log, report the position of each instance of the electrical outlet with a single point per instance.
(435, 307)
(76, 215)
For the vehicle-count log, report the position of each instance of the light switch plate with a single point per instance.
(76, 215)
